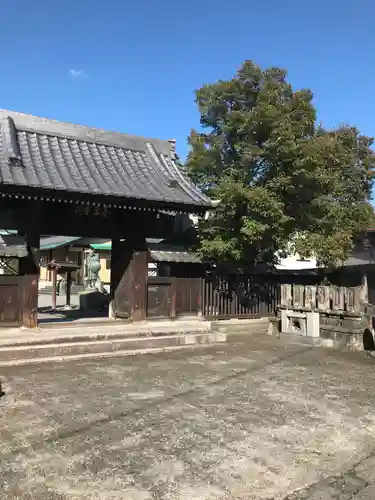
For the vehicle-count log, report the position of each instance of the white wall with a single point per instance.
(291, 262)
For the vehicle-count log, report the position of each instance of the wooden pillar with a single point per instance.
(129, 279)
(140, 271)
(29, 268)
(82, 270)
(119, 294)
(54, 288)
(68, 287)
(50, 257)
(173, 297)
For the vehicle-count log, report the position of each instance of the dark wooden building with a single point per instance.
(58, 178)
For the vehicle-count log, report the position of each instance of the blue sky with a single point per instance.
(134, 66)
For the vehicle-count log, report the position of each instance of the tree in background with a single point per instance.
(284, 182)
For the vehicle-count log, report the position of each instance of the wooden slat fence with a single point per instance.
(239, 296)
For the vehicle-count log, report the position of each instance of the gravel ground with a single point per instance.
(265, 419)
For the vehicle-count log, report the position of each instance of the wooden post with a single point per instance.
(68, 287)
(50, 257)
(200, 299)
(54, 288)
(29, 268)
(128, 280)
(173, 297)
(119, 306)
(139, 282)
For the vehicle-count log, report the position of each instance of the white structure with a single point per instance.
(295, 263)
(292, 262)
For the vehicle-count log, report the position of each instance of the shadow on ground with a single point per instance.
(60, 315)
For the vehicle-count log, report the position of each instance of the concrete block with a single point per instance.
(310, 297)
(312, 324)
(286, 295)
(298, 296)
(323, 296)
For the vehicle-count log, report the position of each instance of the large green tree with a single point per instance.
(283, 181)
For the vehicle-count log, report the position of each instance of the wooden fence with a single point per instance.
(240, 296)
(17, 305)
(171, 297)
(217, 297)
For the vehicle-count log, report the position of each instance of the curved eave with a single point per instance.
(11, 191)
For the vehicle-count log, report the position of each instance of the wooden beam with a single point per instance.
(74, 220)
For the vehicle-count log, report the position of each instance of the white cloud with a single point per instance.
(77, 73)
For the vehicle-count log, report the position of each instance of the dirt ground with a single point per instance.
(264, 419)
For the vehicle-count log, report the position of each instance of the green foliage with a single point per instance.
(283, 181)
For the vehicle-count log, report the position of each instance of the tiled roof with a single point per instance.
(174, 256)
(107, 245)
(51, 242)
(66, 158)
(13, 251)
(159, 252)
(12, 246)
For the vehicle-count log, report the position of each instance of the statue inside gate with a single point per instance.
(93, 267)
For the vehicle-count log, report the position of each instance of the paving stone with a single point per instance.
(366, 470)
(366, 494)
(321, 495)
(244, 421)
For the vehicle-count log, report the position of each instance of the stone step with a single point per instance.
(102, 355)
(24, 346)
(18, 337)
(241, 326)
(110, 331)
(64, 351)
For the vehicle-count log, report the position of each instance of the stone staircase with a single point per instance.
(116, 338)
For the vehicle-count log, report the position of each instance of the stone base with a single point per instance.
(274, 327)
(300, 323)
(335, 330)
(93, 301)
(341, 340)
